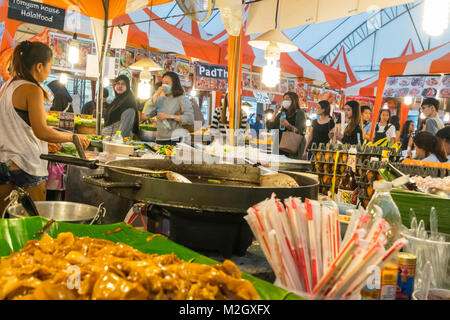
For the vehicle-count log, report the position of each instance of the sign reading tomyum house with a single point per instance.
(37, 13)
(210, 77)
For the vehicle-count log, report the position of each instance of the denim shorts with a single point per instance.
(18, 177)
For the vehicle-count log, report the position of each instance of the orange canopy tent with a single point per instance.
(433, 61)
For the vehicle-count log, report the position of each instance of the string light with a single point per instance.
(408, 100)
(106, 83)
(63, 78)
(271, 73)
(74, 51)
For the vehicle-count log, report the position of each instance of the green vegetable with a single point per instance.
(68, 149)
(14, 233)
(147, 127)
(213, 181)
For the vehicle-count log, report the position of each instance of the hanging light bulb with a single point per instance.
(447, 117)
(144, 87)
(408, 100)
(435, 17)
(422, 116)
(74, 51)
(385, 106)
(308, 123)
(193, 93)
(273, 42)
(106, 83)
(271, 73)
(63, 78)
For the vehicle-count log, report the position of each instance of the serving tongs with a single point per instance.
(95, 164)
(399, 174)
(19, 195)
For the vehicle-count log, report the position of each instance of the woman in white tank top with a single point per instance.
(24, 133)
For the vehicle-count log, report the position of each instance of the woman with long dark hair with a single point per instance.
(295, 119)
(407, 134)
(430, 148)
(172, 108)
(122, 113)
(24, 133)
(221, 119)
(321, 127)
(352, 132)
(385, 129)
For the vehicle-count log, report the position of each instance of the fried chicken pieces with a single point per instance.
(84, 268)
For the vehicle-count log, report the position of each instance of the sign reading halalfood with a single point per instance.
(37, 13)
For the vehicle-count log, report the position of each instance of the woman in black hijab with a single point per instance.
(122, 114)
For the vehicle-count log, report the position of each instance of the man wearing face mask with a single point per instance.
(295, 120)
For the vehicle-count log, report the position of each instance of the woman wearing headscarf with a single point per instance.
(122, 113)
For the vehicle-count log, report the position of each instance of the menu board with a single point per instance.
(67, 121)
(413, 86)
(59, 44)
(127, 57)
(444, 91)
(183, 70)
(311, 93)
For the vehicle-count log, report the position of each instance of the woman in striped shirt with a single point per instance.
(221, 120)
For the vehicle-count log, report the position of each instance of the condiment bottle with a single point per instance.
(347, 187)
(382, 198)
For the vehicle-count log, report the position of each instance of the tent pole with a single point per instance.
(100, 68)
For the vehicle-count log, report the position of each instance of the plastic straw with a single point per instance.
(300, 214)
(312, 243)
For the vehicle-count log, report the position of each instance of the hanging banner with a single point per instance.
(210, 77)
(37, 13)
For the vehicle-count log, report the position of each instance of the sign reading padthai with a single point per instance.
(210, 77)
(37, 13)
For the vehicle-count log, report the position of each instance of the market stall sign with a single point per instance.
(37, 13)
(210, 77)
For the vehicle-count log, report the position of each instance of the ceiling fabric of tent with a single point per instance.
(341, 63)
(433, 61)
(262, 13)
(368, 87)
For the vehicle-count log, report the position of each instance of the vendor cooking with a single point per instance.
(23, 128)
(172, 109)
(122, 113)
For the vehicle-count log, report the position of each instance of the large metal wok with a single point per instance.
(206, 214)
(215, 187)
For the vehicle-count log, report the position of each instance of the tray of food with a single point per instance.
(121, 263)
